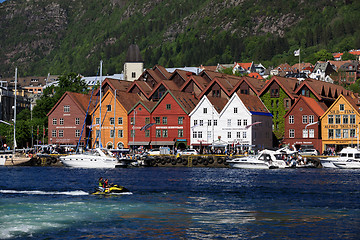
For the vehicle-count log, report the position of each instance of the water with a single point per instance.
(180, 203)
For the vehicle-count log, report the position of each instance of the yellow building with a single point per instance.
(114, 115)
(340, 123)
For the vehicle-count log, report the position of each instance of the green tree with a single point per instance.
(348, 56)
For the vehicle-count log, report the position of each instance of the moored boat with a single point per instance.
(348, 158)
(95, 158)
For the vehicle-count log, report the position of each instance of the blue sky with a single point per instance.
(2, 1)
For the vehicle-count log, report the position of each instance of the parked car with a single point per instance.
(189, 152)
(154, 151)
(310, 152)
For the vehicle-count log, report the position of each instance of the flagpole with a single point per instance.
(299, 62)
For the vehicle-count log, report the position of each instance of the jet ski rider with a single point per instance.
(101, 184)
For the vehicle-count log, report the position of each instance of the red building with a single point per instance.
(302, 124)
(66, 120)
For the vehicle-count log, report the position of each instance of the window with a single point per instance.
(180, 133)
(53, 133)
(195, 122)
(147, 120)
(66, 108)
(133, 74)
(180, 120)
(305, 133)
(77, 121)
(157, 120)
(158, 133)
(168, 106)
(209, 122)
(291, 133)
(120, 121)
(239, 122)
(235, 110)
(194, 134)
(244, 134)
(338, 133)
(245, 122)
(311, 118)
(112, 133)
(274, 93)
(201, 122)
(112, 121)
(209, 134)
(61, 133)
(97, 120)
(229, 122)
(291, 119)
(108, 108)
(120, 133)
(165, 133)
(164, 120)
(205, 110)
(337, 119)
(352, 119)
(341, 107)
(97, 133)
(352, 133)
(345, 119)
(54, 121)
(311, 133)
(215, 122)
(238, 134)
(77, 133)
(330, 133)
(132, 133)
(304, 119)
(331, 119)
(147, 133)
(345, 133)
(199, 134)
(228, 134)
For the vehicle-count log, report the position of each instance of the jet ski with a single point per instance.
(113, 189)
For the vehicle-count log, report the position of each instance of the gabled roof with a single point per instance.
(81, 100)
(245, 66)
(253, 103)
(119, 85)
(165, 74)
(287, 84)
(186, 101)
(255, 84)
(317, 107)
(218, 103)
(337, 64)
(352, 100)
(303, 66)
(284, 67)
(226, 82)
(197, 80)
(255, 75)
(322, 89)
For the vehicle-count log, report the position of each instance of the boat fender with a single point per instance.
(220, 160)
(163, 161)
(179, 160)
(168, 160)
(200, 160)
(211, 160)
(195, 162)
(205, 162)
(38, 161)
(48, 161)
(173, 162)
(54, 160)
(184, 162)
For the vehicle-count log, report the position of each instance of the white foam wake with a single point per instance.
(72, 193)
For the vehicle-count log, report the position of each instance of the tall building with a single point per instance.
(134, 64)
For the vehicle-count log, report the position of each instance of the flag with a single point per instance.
(38, 130)
(147, 126)
(297, 53)
(252, 125)
(43, 130)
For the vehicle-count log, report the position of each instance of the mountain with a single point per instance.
(59, 36)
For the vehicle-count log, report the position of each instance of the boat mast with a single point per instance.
(15, 92)
(100, 145)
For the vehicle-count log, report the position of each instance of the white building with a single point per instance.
(242, 121)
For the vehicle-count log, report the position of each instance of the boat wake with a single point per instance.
(36, 192)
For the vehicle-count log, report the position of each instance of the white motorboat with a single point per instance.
(95, 158)
(349, 158)
(266, 159)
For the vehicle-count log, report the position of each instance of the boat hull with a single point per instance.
(89, 162)
(347, 165)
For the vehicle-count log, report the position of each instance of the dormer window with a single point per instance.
(34, 80)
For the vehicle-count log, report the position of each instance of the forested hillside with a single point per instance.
(59, 36)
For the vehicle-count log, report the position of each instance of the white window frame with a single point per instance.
(291, 119)
(304, 119)
(311, 133)
(291, 133)
(305, 133)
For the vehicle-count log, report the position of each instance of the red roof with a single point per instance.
(255, 75)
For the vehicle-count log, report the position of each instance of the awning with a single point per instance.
(155, 143)
(131, 143)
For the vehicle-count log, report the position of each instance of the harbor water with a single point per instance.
(180, 203)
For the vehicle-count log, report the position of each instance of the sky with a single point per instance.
(2, 1)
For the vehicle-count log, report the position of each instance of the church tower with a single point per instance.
(134, 64)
